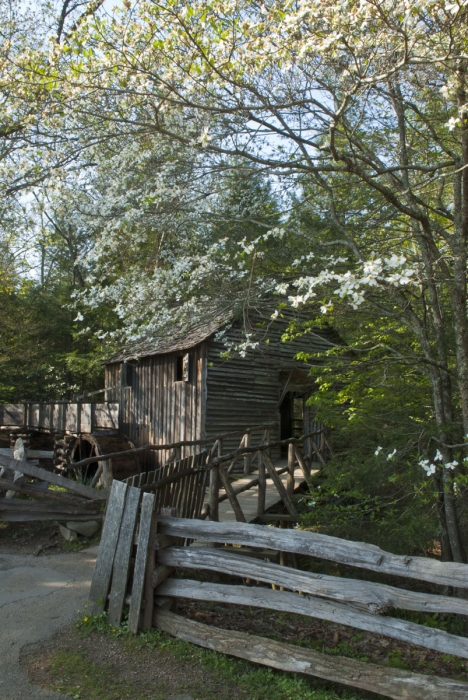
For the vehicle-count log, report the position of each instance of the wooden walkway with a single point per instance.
(248, 499)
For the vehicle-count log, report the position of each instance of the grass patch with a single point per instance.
(79, 677)
(229, 678)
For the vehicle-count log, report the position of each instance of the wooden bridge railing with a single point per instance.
(149, 587)
(72, 417)
(219, 465)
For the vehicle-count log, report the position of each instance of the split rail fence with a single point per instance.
(141, 550)
(20, 476)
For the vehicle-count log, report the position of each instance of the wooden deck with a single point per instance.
(248, 499)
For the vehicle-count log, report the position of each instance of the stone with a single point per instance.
(67, 534)
(87, 528)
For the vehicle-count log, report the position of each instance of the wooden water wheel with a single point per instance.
(73, 449)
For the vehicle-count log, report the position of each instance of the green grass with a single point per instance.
(82, 680)
(252, 682)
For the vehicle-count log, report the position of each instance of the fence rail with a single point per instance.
(356, 603)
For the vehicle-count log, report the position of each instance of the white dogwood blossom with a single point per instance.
(428, 467)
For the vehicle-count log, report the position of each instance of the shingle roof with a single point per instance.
(175, 342)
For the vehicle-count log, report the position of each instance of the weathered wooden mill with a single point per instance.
(181, 388)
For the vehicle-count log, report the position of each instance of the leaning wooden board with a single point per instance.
(26, 468)
(123, 554)
(107, 546)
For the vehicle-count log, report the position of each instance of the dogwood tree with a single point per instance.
(363, 102)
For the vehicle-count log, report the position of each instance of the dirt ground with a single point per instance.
(39, 538)
(152, 670)
(126, 670)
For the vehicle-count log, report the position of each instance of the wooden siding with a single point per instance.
(156, 408)
(242, 392)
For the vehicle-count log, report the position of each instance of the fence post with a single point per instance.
(290, 473)
(162, 572)
(261, 484)
(266, 438)
(214, 486)
(247, 443)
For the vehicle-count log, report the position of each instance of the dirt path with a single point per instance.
(38, 596)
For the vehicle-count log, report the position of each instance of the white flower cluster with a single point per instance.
(430, 468)
(394, 271)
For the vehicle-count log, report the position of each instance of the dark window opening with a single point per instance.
(291, 418)
(126, 374)
(183, 368)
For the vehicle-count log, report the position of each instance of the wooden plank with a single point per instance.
(30, 454)
(143, 552)
(247, 443)
(390, 682)
(291, 462)
(161, 572)
(29, 470)
(360, 554)
(105, 415)
(106, 552)
(202, 484)
(340, 613)
(47, 494)
(18, 505)
(284, 495)
(240, 517)
(12, 415)
(301, 463)
(261, 496)
(71, 418)
(371, 597)
(24, 516)
(214, 486)
(123, 553)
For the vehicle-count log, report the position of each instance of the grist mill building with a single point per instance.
(184, 387)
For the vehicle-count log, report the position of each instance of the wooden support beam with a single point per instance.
(302, 464)
(291, 465)
(284, 495)
(240, 517)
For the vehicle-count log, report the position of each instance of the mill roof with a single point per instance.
(180, 339)
(176, 340)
